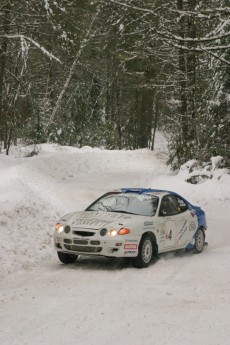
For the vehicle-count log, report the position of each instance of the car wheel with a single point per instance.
(67, 258)
(145, 253)
(199, 241)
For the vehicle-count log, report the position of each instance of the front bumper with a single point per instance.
(118, 246)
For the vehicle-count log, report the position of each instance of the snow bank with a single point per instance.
(182, 299)
(36, 191)
(195, 172)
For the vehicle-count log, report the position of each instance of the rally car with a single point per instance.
(134, 223)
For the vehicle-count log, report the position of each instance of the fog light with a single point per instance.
(67, 229)
(103, 232)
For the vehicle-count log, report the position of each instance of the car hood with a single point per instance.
(97, 220)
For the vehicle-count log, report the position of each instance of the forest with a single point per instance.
(107, 73)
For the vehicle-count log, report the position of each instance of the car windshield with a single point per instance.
(132, 203)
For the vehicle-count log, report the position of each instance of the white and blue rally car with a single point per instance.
(131, 222)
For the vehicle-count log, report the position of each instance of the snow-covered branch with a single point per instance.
(36, 44)
(203, 49)
(216, 56)
(72, 70)
(204, 13)
(199, 49)
(134, 7)
(195, 40)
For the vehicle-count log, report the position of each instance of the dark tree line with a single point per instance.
(108, 73)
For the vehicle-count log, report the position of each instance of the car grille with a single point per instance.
(82, 242)
(84, 233)
(66, 240)
(83, 249)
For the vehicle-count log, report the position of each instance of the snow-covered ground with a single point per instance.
(180, 299)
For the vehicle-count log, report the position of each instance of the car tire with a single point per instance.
(145, 253)
(199, 241)
(67, 258)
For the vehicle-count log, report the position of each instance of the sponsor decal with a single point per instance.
(169, 235)
(148, 223)
(192, 226)
(182, 231)
(88, 222)
(130, 252)
(131, 241)
(130, 246)
(162, 234)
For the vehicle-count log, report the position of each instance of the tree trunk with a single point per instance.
(155, 121)
(3, 61)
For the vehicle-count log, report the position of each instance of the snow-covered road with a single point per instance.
(181, 299)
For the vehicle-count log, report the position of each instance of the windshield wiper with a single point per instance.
(121, 211)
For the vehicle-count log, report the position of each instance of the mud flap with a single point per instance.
(155, 251)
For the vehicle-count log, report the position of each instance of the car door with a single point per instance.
(183, 222)
(187, 224)
(168, 223)
(178, 222)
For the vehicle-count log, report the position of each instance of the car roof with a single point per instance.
(146, 190)
(150, 190)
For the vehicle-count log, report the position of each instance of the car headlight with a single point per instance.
(59, 228)
(112, 232)
(122, 231)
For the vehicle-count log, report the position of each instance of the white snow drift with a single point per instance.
(181, 299)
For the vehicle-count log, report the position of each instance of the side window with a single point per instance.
(167, 206)
(174, 201)
(182, 204)
(172, 205)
